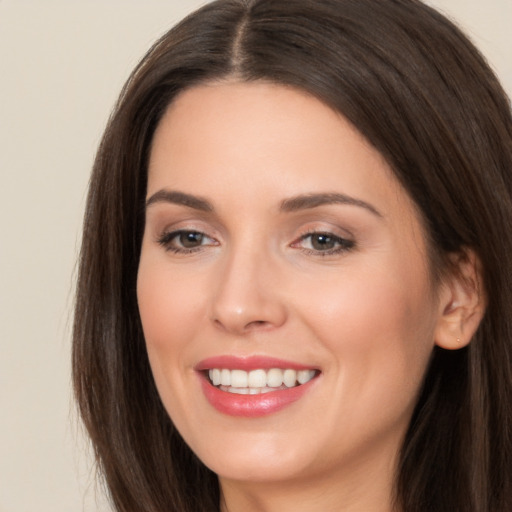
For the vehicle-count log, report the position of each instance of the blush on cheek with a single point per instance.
(161, 302)
(385, 315)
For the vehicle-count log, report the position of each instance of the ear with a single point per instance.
(462, 301)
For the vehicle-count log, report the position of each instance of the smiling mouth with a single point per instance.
(258, 381)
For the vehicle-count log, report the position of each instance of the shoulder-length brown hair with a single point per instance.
(414, 86)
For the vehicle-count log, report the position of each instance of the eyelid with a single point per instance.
(343, 243)
(167, 236)
(325, 227)
(171, 223)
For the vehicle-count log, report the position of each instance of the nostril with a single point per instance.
(256, 324)
(243, 327)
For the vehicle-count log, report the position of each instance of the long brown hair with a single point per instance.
(419, 91)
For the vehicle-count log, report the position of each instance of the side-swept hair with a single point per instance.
(420, 92)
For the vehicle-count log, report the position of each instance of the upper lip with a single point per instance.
(249, 363)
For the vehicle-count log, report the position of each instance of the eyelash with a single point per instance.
(343, 245)
(166, 241)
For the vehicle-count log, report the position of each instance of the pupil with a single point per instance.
(189, 240)
(322, 242)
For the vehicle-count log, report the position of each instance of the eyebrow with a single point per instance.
(293, 204)
(174, 197)
(304, 202)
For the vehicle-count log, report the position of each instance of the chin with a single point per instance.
(262, 457)
(253, 468)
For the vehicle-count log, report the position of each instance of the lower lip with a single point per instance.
(252, 406)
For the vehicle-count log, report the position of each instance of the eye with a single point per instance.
(185, 241)
(323, 243)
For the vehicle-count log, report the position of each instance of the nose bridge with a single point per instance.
(246, 297)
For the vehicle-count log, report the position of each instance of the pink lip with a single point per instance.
(250, 406)
(248, 363)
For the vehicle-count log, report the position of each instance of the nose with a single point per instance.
(248, 296)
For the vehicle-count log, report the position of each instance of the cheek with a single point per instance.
(169, 307)
(165, 299)
(379, 332)
(373, 298)
(378, 322)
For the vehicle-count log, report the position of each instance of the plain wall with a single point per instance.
(62, 65)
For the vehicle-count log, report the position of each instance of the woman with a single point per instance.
(295, 281)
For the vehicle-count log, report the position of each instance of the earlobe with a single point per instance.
(462, 302)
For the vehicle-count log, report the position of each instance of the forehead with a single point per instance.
(251, 124)
(259, 137)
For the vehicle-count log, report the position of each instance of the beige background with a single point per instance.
(62, 64)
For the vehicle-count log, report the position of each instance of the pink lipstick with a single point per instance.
(253, 386)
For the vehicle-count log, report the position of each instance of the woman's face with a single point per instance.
(278, 245)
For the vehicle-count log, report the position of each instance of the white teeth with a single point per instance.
(239, 391)
(289, 378)
(274, 378)
(304, 376)
(225, 377)
(215, 376)
(239, 379)
(258, 381)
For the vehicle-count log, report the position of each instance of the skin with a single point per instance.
(366, 315)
